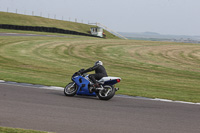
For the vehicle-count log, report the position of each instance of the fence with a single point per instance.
(43, 29)
(45, 15)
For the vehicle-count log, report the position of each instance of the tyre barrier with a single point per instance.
(43, 29)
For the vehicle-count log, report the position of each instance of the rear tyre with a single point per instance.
(107, 93)
(70, 89)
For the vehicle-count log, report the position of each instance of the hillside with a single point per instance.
(26, 20)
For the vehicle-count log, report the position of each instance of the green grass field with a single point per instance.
(149, 69)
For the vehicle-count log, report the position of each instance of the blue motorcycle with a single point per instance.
(82, 85)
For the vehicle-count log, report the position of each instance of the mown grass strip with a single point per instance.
(149, 69)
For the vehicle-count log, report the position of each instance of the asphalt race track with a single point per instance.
(50, 110)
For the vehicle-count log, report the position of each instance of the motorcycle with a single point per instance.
(82, 85)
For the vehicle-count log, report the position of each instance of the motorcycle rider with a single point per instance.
(100, 72)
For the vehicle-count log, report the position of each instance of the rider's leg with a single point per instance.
(92, 77)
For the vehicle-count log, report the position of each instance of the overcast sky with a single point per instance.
(178, 17)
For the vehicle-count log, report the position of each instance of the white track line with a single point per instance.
(2, 81)
(52, 88)
(120, 96)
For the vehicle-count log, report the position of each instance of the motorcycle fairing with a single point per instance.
(109, 80)
(83, 85)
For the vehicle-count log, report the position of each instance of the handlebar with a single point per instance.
(78, 73)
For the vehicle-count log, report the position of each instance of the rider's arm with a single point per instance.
(90, 69)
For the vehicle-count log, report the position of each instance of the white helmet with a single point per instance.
(98, 63)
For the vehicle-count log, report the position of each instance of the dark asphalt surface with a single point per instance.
(50, 110)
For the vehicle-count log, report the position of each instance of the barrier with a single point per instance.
(43, 29)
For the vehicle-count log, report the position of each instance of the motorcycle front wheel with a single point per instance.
(107, 93)
(70, 89)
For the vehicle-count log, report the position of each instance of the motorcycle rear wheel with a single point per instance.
(107, 93)
(70, 89)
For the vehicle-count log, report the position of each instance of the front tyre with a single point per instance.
(107, 93)
(70, 89)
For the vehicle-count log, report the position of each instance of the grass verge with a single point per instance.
(17, 130)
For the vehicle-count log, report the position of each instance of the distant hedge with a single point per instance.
(43, 29)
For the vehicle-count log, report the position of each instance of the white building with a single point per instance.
(97, 31)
